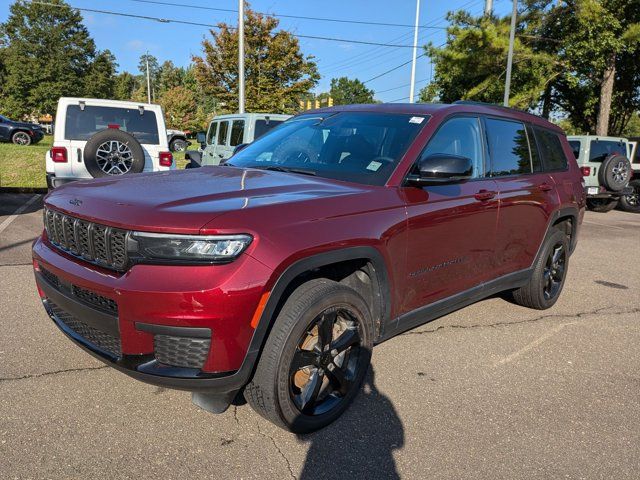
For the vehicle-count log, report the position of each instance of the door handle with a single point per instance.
(545, 187)
(484, 195)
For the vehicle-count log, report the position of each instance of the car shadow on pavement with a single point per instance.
(360, 444)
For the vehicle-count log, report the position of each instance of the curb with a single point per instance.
(23, 190)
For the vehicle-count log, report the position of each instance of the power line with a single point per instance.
(400, 86)
(300, 17)
(184, 22)
(393, 69)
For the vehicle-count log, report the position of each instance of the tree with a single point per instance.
(345, 91)
(181, 109)
(100, 79)
(154, 73)
(277, 74)
(169, 76)
(472, 63)
(124, 86)
(47, 54)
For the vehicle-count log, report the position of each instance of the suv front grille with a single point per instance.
(99, 244)
(104, 341)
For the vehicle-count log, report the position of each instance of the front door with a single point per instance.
(451, 228)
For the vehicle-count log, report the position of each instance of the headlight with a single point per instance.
(187, 248)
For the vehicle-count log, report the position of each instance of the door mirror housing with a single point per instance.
(441, 168)
(194, 157)
(201, 137)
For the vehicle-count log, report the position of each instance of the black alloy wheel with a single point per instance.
(325, 362)
(554, 271)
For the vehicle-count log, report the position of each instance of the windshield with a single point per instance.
(355, 147)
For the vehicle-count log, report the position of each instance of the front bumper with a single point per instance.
(133, 311)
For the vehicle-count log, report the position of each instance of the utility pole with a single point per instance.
(512, 36)
(488, 7)
(148, 79)
(415, 54)
(240, 56)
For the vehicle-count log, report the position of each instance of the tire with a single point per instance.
(631, 203)
(113, 152)
(545, 285)
(615, 172)
(178, 145)
(279, 391)
(601, 205)
(21, 138)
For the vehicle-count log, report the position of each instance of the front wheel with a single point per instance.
(21, 138)
(601, 205)
(315, 358)
(631, 202)
(549, 273)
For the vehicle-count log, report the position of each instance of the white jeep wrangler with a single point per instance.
(99, 138)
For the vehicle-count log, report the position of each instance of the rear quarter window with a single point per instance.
(82, 124)
(550, 149)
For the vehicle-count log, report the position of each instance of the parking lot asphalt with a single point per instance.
(491, 391)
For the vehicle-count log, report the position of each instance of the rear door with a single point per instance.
(451, 228)
(527, 194)
(209, 152)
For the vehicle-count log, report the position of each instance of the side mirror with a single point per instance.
(201, 137)
(194, 157)
(441, 168)
(239, 147)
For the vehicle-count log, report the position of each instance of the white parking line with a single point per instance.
(531, 345)
(21, 208)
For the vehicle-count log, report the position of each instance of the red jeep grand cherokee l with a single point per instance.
(274, 275)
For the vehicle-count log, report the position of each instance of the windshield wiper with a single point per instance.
(278, 168)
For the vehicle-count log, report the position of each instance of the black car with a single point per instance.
(20, 133)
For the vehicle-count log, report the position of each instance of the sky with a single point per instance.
(128, 38)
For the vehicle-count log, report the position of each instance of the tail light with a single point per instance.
(166, 159)
(586, 171)
(59, 154)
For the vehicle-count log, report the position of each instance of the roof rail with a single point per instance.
(487, 104)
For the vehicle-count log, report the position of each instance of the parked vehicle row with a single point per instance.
(272, 276)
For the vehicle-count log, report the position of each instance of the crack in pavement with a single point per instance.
(530, 320)
(279, 451)
(55, 372)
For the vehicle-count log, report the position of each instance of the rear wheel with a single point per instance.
(315, 358)
(178, 145)
(631, 202)
(601, 205)
(548, 276)
(21, 138)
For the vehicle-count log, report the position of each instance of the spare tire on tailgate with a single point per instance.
(615, 172)
(113, 152)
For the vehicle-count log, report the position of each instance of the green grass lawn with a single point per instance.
(24, 166)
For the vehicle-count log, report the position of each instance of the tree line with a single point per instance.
(575, 61)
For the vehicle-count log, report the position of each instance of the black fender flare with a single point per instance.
(571, 212)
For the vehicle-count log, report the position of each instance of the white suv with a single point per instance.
(99, 138)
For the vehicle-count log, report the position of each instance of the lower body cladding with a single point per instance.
(186, 355)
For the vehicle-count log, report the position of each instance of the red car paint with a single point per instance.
(481, 229)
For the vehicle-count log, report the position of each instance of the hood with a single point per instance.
(185, 201)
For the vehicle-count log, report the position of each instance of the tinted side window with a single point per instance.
(508, 147)
(601, 149)
(536, 162)
(222, 133)
(262, 127)
(553, 157)
(237, 133)
(459, 136)
(213, 130)
(575, 146)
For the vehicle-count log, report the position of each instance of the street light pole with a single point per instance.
(488, 7)
(512, 36)
(415, 54)
(148, 79)
(240, 56)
